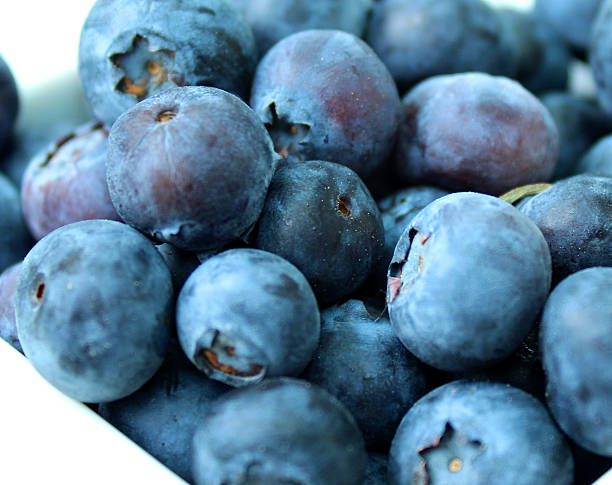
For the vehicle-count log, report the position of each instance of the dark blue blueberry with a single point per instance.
(417, 39)
(245, 314)
(180, 263)
(468, 279)
(600, 54)
(479, 433)
(190, 167)
(376, 469)
(66, 182)
(278, 432)
(580, 122)
(8, 323)
(9, 103)
(572, 19)
(154, 45)
(362, 363)
(598, 159)
(576, 341)
(325, 95)
(544, 57)
(397, 211)
(163, 415)
(321, 217)
(575, 216)
(272, 20)
(475, 132)
(523, 369)
(93, 307)
(15, 239)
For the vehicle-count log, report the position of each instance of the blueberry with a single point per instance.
(272, 20)
(600, 54)
(325, 95)
(598, 159)
(321, 217)
(155, 45)
(362, 363)
(523, 369)
(580, 122)
(15, 239)
(8, 323)
(281, 432)
(246, 314)
(576, 340)
(93, 306)
(572, 19)
(376, 469)
(180, 263)
(468, 278)
(475, 132)
(190, 167)
(544, 57)
(575, 216)
(397, 211)
(479, 433)
(66, 182)
(163, 415)
(417, 39)
(9, 103)
(29, 139)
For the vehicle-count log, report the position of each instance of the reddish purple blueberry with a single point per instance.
(325, 95)
(190, 167)
(475, 132)
(66, 182)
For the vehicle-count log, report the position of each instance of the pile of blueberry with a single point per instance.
(264, 266)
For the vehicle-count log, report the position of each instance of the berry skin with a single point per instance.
(279, 431)
(458, 298)
(361, 362)
(325, 95)
(15, 239)
(417, 39)
(576, 338)
(575, 217)
(475, 132)
(153, 46)
(479, 433)
(600, 55)
(246, 314)
(321, 217)
(162, 416)
(190, 167)
(9, 103)
(93, 307)
(66, 182)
